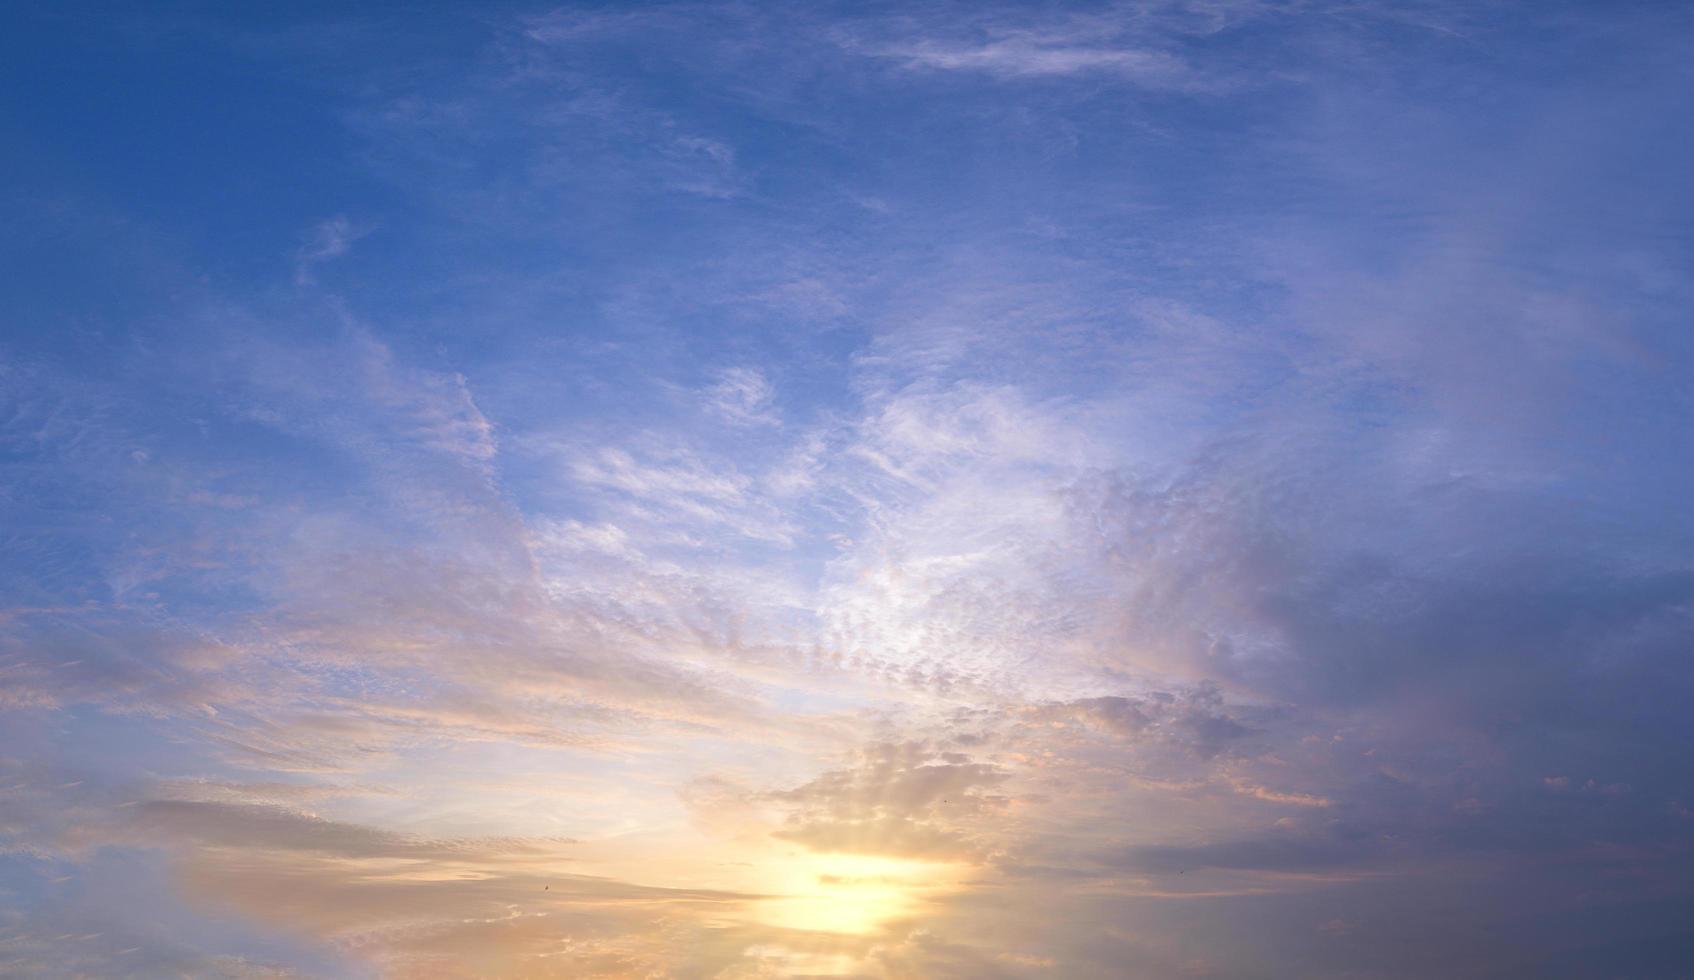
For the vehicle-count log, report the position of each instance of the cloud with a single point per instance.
(1029, 58)
(1197, 720)
(1177, 522)
(899, 800)
(406, 903)
(742, 396)
(328, 240)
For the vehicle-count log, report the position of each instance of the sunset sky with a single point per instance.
(1160, 489)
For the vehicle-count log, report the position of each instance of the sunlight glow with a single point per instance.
(852, 894)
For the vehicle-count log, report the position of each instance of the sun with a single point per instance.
(851, 894)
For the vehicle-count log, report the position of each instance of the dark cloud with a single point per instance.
(900, 799)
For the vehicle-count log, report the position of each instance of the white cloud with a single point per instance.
(743, 396)
(327, 240)
(1030, 58)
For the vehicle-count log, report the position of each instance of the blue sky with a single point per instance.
(1188, 488)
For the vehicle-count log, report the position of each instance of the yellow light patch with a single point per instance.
(849, 893)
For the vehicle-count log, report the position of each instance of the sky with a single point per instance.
(1159, 489)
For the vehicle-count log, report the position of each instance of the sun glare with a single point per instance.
(851, 894)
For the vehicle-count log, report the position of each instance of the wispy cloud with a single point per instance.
(1030, 58)
(742, 396)
(326, 241)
